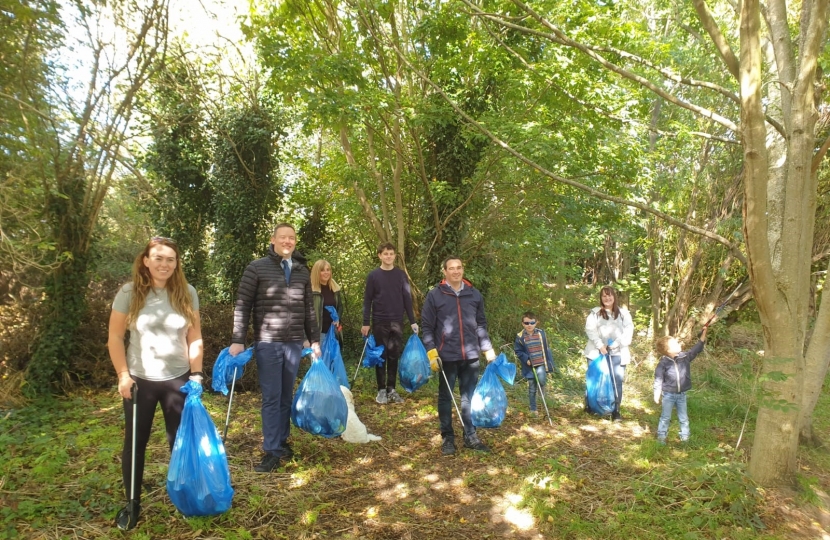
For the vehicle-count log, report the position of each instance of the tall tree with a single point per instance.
(116, 47)
(178, 161)
(30, 31)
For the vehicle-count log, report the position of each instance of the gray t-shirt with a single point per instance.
(158, 338)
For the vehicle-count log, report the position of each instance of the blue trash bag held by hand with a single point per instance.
(599, 387)
(489, 405)
(330, 351)
(223, 369)
(198, 479)
(372, 356)
(319, 406)
(413, 368)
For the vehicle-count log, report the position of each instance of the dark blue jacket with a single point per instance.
(521, 351)
(674, 375)
(453, 324)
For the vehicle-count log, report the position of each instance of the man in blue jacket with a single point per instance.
(455, 335)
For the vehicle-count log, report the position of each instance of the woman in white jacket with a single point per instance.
(609, 328)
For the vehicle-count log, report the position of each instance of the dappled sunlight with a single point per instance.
(395, 493)
(506, 509)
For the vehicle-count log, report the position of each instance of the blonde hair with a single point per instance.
(176, 286)
(318, 267)
(661, 345)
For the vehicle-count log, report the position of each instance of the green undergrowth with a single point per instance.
(582, 478)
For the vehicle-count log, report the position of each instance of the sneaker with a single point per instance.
(269, 463)
(127, 517)
(448, 446)
(534, 413)
(381, 397)
(661, 441)
(393, 397)
(474, 443)
(286, 451)
(615, 417)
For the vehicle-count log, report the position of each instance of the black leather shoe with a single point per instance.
(127, 517)
(269, 463)
(448, 446)
(474, 443)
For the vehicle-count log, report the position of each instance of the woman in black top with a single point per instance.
(326, 292)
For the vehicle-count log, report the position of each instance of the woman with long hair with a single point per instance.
(161, 311)
(326, 292)
(610, 329)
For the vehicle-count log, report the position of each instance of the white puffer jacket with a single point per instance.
(599, 330)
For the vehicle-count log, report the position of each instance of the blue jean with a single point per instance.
(466, 371)
(670, 401)
(277, 365)
(531, 389)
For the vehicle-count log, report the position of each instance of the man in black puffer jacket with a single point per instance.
(277, 290)
(455, 332)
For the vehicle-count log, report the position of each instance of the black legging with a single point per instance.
(168, 394)
(390, 335)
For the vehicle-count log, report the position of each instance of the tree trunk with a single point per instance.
(780, 237)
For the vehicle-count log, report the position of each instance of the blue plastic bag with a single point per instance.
(372, 356)
(330, 351)
(319, 406)
(489, 405)
(198, 480)
(599, 387)
(413, 369)
(224, 367)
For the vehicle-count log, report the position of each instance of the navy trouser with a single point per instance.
(277, 365)
(168, 394)
(466, 371)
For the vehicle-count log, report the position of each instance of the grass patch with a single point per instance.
(583, 478)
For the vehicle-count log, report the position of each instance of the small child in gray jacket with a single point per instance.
(672, 379)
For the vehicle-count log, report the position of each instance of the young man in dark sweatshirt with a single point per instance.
(385, 299)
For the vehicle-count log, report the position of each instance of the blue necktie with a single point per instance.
(287, 270)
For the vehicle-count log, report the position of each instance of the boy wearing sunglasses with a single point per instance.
(531, 346)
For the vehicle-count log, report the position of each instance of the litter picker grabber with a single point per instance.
(441, 367)
(613, 375)
(230, 402)
(128, 516)
(542, 392)
(356, 369)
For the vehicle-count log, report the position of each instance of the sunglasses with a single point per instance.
(528, 322)
(162, 239)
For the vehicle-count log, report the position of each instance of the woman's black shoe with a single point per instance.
(127, 517)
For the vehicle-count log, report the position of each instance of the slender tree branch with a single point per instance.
(820, 155)
(711, 27)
